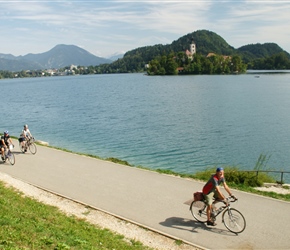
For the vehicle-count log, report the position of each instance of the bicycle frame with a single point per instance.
(233, 219)
(28, 144)
(216, 212)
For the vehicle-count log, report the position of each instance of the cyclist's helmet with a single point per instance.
(6, 132)
(219, 169)
(25, 126)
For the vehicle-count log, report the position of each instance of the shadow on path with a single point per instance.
(193, 226)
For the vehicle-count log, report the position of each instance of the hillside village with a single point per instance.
(70, 70)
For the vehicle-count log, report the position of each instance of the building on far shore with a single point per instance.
(192, 50)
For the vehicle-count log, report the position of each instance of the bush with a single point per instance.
(237, 177)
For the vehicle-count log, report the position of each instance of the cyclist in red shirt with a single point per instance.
(211, 191)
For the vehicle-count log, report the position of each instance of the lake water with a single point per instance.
(181, 123)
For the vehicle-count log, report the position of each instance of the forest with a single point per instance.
(170, 59)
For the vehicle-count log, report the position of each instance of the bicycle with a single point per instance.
(8, 154)
(233, 219)
(29, 144)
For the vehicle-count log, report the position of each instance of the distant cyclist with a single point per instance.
(25, 136)
(4, 143)
(211, 191)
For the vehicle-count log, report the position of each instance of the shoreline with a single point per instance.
(268, 187)
(166, 171)
(277, 188)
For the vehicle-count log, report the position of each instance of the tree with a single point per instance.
(171, 65)
(277, 61)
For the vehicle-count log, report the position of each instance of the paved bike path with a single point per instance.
(151, 199)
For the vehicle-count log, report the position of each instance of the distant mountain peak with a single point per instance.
(59, 56)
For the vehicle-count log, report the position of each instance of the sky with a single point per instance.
(109, 27)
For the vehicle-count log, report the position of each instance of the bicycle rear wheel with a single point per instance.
(32, 148)
(11, 158)
(198, 211)
(234, 221)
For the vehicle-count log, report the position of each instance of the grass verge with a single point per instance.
(28, 224)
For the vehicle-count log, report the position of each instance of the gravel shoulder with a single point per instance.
(275, 188)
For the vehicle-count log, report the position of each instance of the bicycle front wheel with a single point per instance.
(11, 158)
(234, 221)
(32, 148)
(198, 211)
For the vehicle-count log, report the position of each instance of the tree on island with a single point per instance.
(180, 64)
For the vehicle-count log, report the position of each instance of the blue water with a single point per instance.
(181, 123)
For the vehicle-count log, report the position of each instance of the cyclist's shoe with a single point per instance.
(211, 223)
(2, 158)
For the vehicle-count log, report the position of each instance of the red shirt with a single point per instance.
(212, 183)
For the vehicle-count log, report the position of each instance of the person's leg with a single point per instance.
(208, 209)
(2, 152)
(21, 142)
(24, 144)
(209, 201)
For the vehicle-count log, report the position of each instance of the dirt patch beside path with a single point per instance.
(275, 188)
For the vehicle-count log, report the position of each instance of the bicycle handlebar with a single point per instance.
(232, 199)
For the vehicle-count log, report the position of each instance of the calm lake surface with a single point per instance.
(181, 123)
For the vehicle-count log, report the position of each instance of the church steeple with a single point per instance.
(192, 48)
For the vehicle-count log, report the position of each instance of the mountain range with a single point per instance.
(206, 42)
(58, 57)
(134, 60)
(209, 42)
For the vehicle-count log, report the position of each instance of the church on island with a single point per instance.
(192, 50)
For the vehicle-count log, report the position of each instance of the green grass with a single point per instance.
(234, 176)
(28, 224)
(244, 181)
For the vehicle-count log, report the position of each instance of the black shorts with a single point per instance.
(21, 139)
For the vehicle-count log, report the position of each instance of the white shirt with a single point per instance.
(26, 133)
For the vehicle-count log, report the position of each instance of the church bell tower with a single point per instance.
(192, 48)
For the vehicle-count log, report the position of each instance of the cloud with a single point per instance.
(111, 26)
